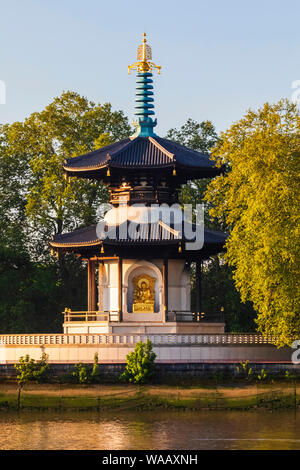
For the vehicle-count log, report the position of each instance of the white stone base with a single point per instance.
(116, 353)
(169, 348)
(129, 328)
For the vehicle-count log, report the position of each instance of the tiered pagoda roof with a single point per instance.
(143, 236)
(144, 168)
(143, 153)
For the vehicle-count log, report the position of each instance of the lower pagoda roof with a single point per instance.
(137, 153)
(156, 235)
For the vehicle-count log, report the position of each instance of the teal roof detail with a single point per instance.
(144, 106)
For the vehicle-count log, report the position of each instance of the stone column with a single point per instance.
(120, 288)
(198, 286)
(166, 286)
(91, 286)
(101, 280)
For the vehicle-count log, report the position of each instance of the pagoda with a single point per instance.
(139, 256)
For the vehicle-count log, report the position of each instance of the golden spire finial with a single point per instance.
(144, 55)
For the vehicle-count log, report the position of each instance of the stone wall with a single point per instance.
(169, 348)
(164, 372)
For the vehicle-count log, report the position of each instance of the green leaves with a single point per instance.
(32, 154)
(80, 373)
(263, 375)
(36, 201)
(218, 288)
(70, 126)
(244, 371)
(140, 363)
(200, 136)
(259, 200)
(29, 369)
(83, 374)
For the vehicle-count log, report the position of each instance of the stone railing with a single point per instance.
(156, 339)
(187, 316)
(104, 316)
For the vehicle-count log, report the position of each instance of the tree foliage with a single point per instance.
(259, 200)
(201, 136)
(32, 154)
(218, 293)
(33, 294)
(36, 201)
(139, 363)
(31, 370)
(84, 374)
(218, 290)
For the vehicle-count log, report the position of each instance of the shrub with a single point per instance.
(244, 371)
(139, 363)
(289, 376)
(83, 375)
(80, 373)
(263, 375)
(29, 369)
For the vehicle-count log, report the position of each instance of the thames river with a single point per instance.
(201, 430)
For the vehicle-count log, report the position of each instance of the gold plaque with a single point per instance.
(143, 293)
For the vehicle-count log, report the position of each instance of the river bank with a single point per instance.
(237, 396)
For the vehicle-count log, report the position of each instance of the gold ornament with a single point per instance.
(144, 55)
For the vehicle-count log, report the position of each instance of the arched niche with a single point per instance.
(135, 270)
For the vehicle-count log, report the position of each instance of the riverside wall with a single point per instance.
(173, 352)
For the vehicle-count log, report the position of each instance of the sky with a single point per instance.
(219, 58)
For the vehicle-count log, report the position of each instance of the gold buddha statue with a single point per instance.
(143, 293)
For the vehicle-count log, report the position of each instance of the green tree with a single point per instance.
(259, 200)
(30, 370)
(36, 201)
(33, 294)
(218, 289)
(13, 181)
(139, 363)
(32, 154)
(218, 293)
(200, 136)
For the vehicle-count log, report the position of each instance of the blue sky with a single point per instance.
(219, 58)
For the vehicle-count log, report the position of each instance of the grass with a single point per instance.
(58, 397)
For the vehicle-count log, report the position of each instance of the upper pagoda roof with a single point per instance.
(142, 153)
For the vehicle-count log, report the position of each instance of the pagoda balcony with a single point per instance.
(187, 316)
(111, 322)
(105, 316)
(108, 316)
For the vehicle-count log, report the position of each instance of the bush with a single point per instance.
(80, 373)
(244, 371)
(29, 369)
(83, 375)
(140, 363)
(263, 375)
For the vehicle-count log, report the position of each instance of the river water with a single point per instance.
(150, 430)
